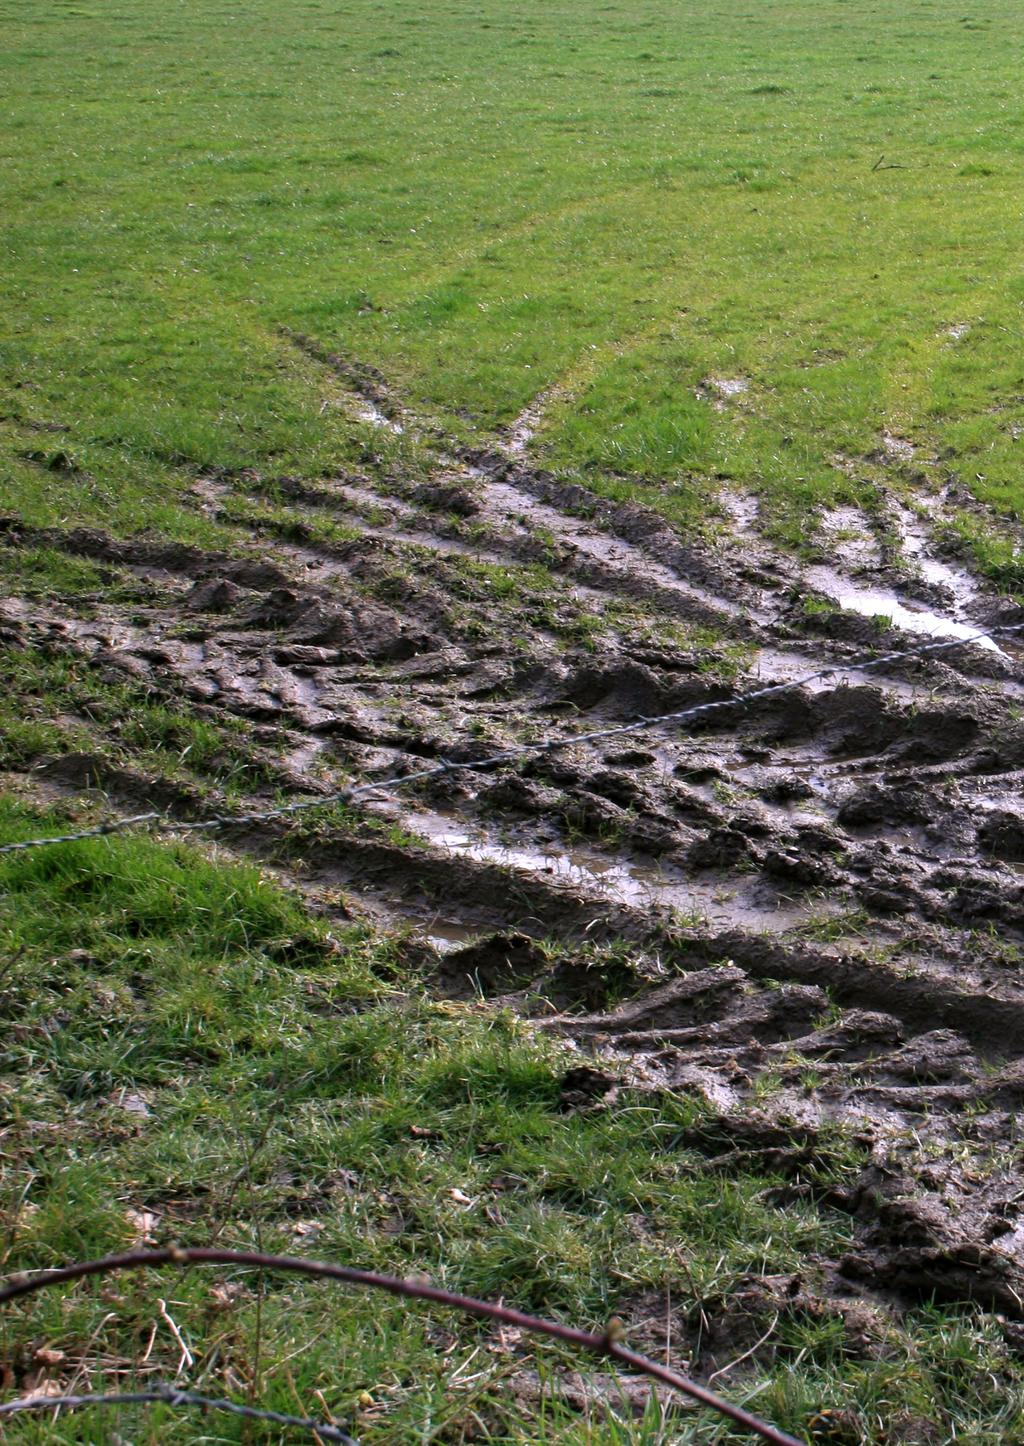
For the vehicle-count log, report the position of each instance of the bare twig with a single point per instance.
(187, 1358)
(607, 1343)
(81, 1371)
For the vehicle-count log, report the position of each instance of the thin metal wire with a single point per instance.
(509, 755)
(172, 1396)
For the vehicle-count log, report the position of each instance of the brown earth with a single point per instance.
(822, 889)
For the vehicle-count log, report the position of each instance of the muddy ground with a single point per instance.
(822, 892)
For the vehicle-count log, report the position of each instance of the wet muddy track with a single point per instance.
(823, 891)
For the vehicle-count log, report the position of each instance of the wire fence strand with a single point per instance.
(608, 1343)
(513, 754)
(173, 1396)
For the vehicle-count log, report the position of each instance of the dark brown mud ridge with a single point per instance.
(822, 892)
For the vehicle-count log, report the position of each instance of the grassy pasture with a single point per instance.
(616, 205)
(486, 202)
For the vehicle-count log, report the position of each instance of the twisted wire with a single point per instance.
(173, 1396)
(509, 755)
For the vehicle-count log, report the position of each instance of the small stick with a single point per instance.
(187, 1358)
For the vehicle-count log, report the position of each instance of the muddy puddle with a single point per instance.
(908, 616)
(639, 883)
(862, 550)
(916, 542)
(773, 665)
(368, 411)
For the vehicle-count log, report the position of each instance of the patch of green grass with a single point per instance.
(190, 1056)
(59, 705)
(823, 208)
(995, 551)
(287, 523)
(45, 572)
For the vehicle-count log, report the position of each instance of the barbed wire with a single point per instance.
(608, 1343)
(510, 755)
(173, 1396)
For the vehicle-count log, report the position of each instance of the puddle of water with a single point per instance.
(911, 620)
(368, 411)
(573, 865)
(446, 935)
(915, 539)
(637, 884)
(776, 665)
(876, 602)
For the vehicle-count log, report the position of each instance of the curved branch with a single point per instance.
(606, 1344)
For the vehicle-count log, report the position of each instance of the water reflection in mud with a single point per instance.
(635, 882)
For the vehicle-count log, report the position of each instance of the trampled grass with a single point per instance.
(619, 202)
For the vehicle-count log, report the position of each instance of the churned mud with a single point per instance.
(823, 891)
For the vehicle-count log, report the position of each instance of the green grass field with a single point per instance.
(485, 203)
(613, 206)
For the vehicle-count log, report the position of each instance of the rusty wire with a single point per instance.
(607, 1343)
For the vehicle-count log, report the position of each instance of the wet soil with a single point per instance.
(822, 890)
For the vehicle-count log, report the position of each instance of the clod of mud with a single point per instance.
(586, 1088)
(215, 595)
(459, 501)
(495, 965)
(1002, 834)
